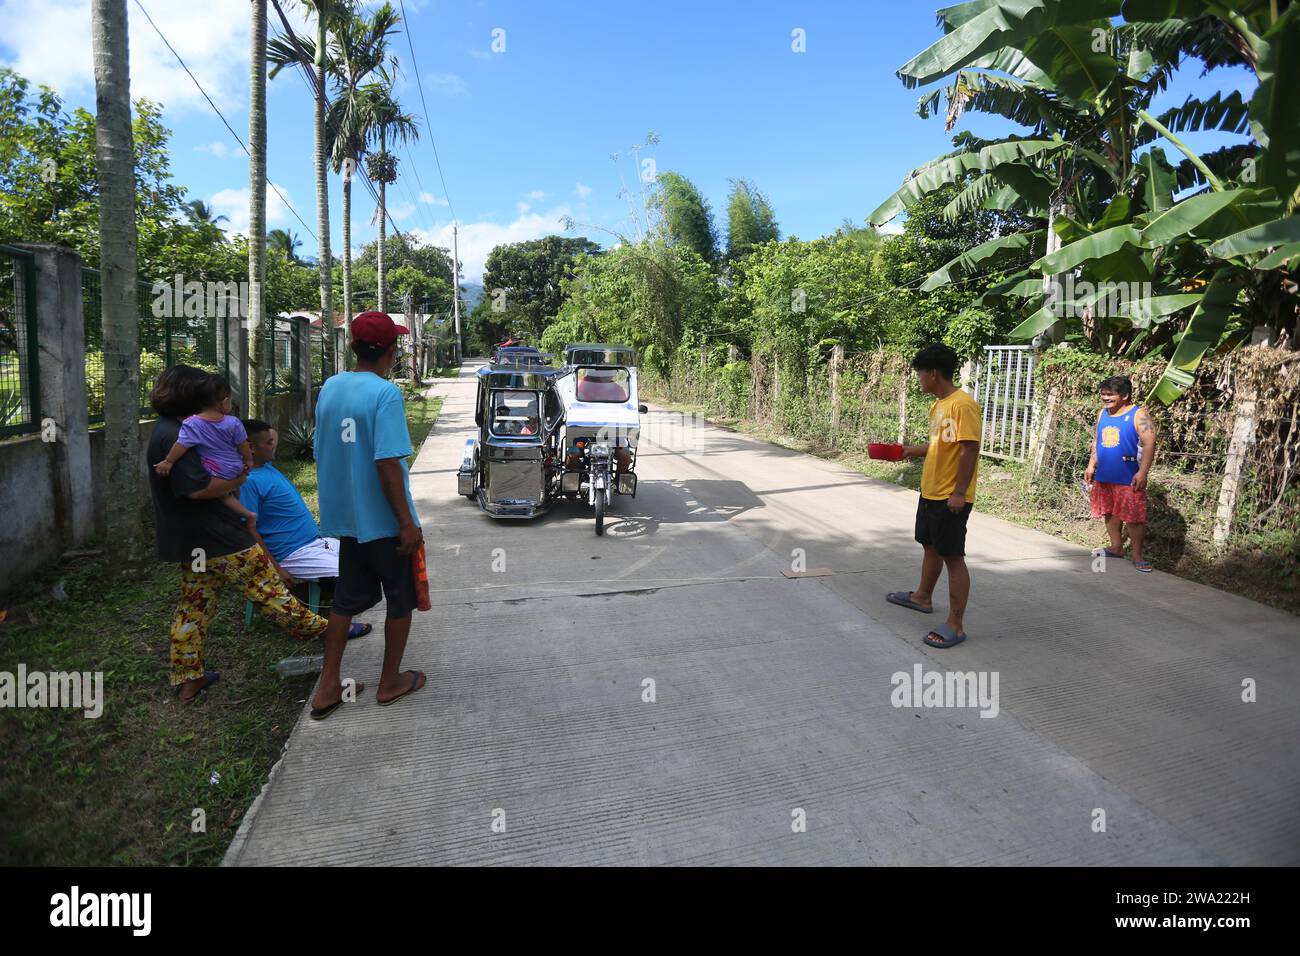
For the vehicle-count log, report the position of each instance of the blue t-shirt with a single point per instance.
(360, 419)
(283, 520)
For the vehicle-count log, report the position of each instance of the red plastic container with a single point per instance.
(421, 580)
(885, 451)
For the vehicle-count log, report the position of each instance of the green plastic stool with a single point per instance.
(313, 602)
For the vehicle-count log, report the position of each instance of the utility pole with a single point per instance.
(455, 290)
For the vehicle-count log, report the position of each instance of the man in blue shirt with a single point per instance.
(285, 527)
(365, 501)
(288, 531)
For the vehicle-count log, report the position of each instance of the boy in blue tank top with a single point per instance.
(1122, 450)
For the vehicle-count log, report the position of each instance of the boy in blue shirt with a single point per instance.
(1122, 451)
(365, 501)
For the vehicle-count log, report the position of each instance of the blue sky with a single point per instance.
(525, 135)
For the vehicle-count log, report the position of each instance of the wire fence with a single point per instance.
(19, 350)
(284, 355)
(166, 339)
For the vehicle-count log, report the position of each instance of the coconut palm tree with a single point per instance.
(287, 50)
(385, 122)
(358, 47)
(115, 163)
(285, 241)
(200, 213)
(259, 346)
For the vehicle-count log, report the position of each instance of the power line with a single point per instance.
(274, 189)
(406, 26)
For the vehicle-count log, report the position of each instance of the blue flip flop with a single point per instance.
(903, 599)
(1144, 566)
(950, 637)
(359, 630)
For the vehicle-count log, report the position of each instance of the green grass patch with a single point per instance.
(122, 789)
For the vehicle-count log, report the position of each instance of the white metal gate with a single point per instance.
(1004, 387)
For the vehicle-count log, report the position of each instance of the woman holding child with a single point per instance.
(200, 526)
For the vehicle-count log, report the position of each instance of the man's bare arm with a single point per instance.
(217, 488)
(1146, 430)
(390, 480)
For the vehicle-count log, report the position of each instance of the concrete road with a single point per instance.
(771, 737)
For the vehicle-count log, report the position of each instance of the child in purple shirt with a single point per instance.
(221, 441)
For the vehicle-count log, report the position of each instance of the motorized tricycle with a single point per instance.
(602, 426)
(512, 467)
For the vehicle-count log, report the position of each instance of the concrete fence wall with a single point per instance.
(52, 483)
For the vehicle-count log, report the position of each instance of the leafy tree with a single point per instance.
(684, 215)
(750, 220)
(524, 283)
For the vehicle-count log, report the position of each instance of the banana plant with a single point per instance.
(1105, 196)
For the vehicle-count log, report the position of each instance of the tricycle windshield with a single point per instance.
(602, 385)
(515, 413)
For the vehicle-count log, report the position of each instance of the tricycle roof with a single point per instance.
(598, 353)
(536, 378)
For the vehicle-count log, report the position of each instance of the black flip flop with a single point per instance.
(418, 684)
(212, 676)
(320, 713)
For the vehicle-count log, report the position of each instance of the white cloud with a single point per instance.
(49, 42)
(582, 191)
(233, 203)
(219, 149)
(448, 84)
(433, 200)
(401, 210)
(477, 239)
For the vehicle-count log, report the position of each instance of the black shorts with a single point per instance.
(941, 529)
(367, 569)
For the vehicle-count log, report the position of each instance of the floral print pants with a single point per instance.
(253, 572)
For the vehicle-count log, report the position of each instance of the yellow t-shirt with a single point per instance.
(953, 419)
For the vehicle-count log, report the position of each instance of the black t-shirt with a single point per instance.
(184, 523)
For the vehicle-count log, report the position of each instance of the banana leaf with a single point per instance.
(1157, 308)
(1203, 333)
(1282, 258)
(1093, 247)
(997, 24)
(1276, 233)
(1275, 106)
(1187, 215)
(984, 255)
(923, 181)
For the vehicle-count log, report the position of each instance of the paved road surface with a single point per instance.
(1117, 691)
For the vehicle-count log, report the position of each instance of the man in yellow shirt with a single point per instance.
(947, 490)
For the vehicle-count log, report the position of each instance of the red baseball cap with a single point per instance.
(376, 328)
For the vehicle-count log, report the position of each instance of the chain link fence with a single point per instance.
(20, 386)
(165, 339)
